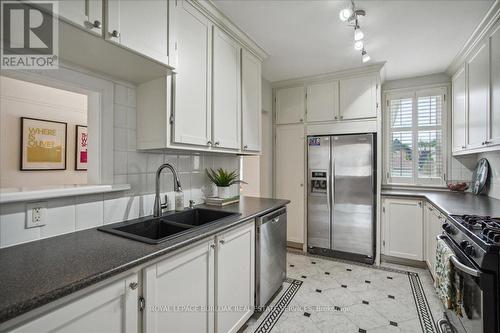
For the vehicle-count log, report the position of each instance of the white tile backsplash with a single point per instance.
(494, 186)
(129, 166)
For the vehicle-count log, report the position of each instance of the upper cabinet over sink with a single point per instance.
(476, 97)
(212, 100)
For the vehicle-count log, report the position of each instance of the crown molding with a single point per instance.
(481, 31)
(210, 10)
(374, 68)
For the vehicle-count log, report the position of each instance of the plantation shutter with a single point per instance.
(415, 132)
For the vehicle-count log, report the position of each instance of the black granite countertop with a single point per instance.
(39, 272)
(452, 202)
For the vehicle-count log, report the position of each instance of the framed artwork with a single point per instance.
(81, 148)
(43, 144)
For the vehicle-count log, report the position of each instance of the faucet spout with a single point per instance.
(157, 208)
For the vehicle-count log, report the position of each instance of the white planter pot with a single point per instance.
(224, 192)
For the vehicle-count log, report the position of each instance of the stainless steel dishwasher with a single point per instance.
(270, 255)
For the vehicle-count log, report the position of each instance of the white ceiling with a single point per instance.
(303, 38)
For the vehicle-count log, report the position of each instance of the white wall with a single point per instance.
(137, 168)
(266, 160)
(413, 82)
(24, 99)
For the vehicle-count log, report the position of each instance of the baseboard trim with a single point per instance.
(403, 261)
(295, 245)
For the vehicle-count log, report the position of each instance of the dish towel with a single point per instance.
(447, 282)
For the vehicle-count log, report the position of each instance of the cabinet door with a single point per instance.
(479, 85)
(251, 91)
(186, 279)
(459, 110)
(494, 136)
(148, 36)
(290, 105)
(226, 91)
(358, 97)
(289, 177)
(323, 101)
(403, 228)
(84, 13)
(111, 309)
(235, 277)
(191, 58)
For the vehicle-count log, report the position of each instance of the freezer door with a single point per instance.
(353, 194)
(318, 192)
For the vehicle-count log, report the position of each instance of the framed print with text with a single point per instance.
(81, 148)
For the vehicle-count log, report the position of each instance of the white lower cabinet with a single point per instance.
(402, 228)
(235, 276)
(181, 291)
(186, 279)
(432, 228)
(111, 309)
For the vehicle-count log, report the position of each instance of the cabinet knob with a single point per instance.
(222, 242)
(133, 285)
(301, 120)
(115, 34)
(336, 117)
(212, 246)
(217, 143)
(463, 147)
(91, 25)
(341, 117)
(487, 142)
(209, 143)
(245, 147)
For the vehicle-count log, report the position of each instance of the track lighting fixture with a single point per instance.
(351, 15)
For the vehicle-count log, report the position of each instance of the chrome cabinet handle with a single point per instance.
(133, 285)
(487, 142)
(91, 25)
(115, 34)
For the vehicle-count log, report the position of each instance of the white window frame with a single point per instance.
(414, 93)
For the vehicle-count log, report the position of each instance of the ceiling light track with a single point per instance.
(351, 15)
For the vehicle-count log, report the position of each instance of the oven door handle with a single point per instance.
(461, 267)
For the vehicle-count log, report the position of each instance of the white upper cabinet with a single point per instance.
(251, 104)
(190, 45)
(141, 26)
(84, 13)
(478, 87)
(402, 217)
(323, 101)
(235, 277)
(226, 91)
(111, 309)
(183, 279)
(459, 110)
(494, 136)
(290, 105)
(358, 97)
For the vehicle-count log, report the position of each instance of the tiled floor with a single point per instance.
(340, 296)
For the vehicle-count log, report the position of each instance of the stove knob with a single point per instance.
(448, 228)
(464, 244)
(470, 250)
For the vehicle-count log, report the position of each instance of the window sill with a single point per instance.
(9, 195)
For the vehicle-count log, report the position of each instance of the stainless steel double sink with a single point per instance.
(154, 230)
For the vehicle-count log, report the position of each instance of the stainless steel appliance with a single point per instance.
(341, 196)
(270, 255)
(475, 241)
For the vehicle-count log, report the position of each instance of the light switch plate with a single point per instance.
(35, 214)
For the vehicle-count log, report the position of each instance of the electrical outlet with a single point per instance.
(35, 214)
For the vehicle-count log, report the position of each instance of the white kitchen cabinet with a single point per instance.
(459, 115)
(83, 13)
(251, 101)
(358, 97)
(185, 279)
(141, 26)
(478, 88)
(402, 224)
(235, 277)
(290, 105)
(112, 308)
(226, 93)
(494, 126)
(190, 45)
(432, 228)
(323, 101)
(289, 177)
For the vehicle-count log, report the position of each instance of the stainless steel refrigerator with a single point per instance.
(341, 196)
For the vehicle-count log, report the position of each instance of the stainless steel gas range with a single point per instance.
(475, 241)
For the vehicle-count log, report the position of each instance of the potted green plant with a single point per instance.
(223, 179)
